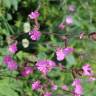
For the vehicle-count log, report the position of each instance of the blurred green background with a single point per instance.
(13, 19)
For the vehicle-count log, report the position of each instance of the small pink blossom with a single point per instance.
(64, 87)
(35, 34)
(7, 59)
(76, 82)
(34, 15)
(92, 79)
(71, 8)
(69, 20)
(12, 48)
(77, 95)
(45, 66)
(61, 26)
(54, 87)
(68, 50)
(87, 70)
(47, 94)
(61, 53)
(12, 65)
(36, 85)
(78, 90)
(27, 71)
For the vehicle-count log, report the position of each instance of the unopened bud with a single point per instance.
(25, 43)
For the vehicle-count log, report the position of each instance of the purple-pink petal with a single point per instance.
(78, 90)
(47, 94)
(61, 26)
(7, 59)
(34, 15)
(71, 8)
(13, 48)
(64, 87)
(12, 65)
(61, 53)
(54, 87)
(69, 20)
(35, 34)
(87, 71)
(27, 71)
(36, 85)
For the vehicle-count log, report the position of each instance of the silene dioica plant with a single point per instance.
(43, 84)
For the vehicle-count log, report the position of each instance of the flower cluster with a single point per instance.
(11, 64)
(44, 66)
(69, 19)
(61, 53)
(35, 34)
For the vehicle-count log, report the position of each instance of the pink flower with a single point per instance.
(65, 87)
(87, 71)
(76, 82)
(68, 50)
(11, 64)
(7, 59)
(47, 94)
(71, 8)
(12, 48)
(35, 34)
(77, 95)
(54, 87)
(34, 15)
(62, 53)
(69, 20)
(92, 79)
(36, 85)
(78, 88)
(61, 26)
(45, 66)
(27, 71)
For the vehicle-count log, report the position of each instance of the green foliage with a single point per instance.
(10, 87)
(10, 3)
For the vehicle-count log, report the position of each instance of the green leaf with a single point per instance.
(15, 4)
(70, 60)
(8, 87)
(42, 55)
(7, 3)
